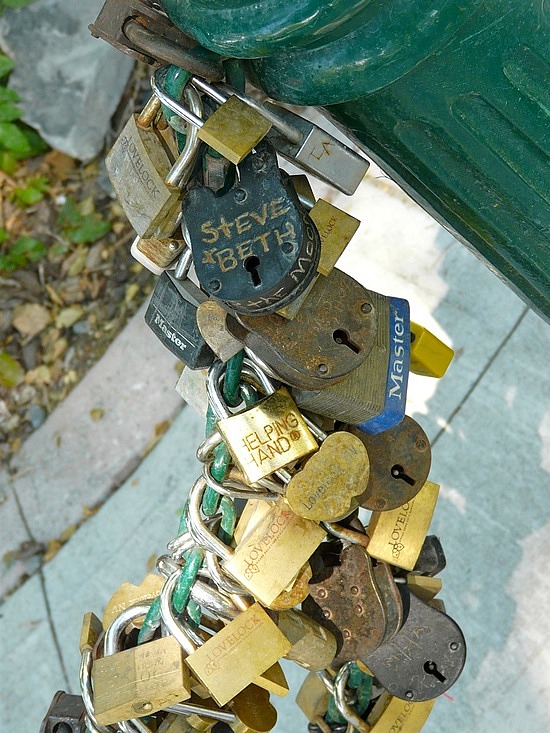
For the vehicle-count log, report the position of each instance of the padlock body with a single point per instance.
(137, 165)
(254, 248)
(172, 316)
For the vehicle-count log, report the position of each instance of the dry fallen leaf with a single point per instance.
(68, 316)
(97, 413)
(31, 318)
(39, 376)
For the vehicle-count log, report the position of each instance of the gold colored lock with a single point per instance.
(234, 129)
(211, 320)
(161, 252)
(148, 677)
(90, 632)
(313, 697)
(313, 646)
(175, 724)
(128, 595)
(271, 555)
(255, 714)
(325, 489)
(235, 656)
(273, 680)
(396, 536)
(268, 436)
(296, 592)
(336, 229)
(430, 357)
(423, 586)
(391, 714)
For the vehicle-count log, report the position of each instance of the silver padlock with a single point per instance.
(147, 184)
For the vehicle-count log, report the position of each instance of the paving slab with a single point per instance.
(69, 83)
(72, 461)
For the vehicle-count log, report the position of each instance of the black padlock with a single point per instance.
(65, 715)
(172, 315)
(254, 247)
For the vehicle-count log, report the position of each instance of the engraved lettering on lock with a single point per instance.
(218, 652)
(328, 480)
(180, 341)
(304, 260)
(275, 437)
(261, 547)
(401, 522)
(401, 719)
(396, 375)
(242, 223)
(131, 150)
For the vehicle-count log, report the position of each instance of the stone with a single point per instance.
(69, 82)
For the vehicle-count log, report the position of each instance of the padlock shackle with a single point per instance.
(118, 624)
(235, 489)
(181, 171)
(340, 682)
(174, 627)
(177, 107)
(197, 527)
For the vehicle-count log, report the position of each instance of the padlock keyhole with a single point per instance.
(399, 472)
(431, 668)
(342, 337)
(251, 265)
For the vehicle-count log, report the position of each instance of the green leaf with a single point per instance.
(14, 140)
(69, 216)
(32, 193)
(35, 144)
(8, 163)
(15, 3)
(3, 235)
(8, 95)
(30, 247)
(9, 112)
(11, 372)
(93, 227)
(6, 64)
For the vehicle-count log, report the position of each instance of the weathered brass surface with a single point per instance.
(272, 554)
(255, 714)
(268, 436)
(234, 129)
(312, 697)
(349, 604)
(273, 680)
(90, 632)
(423, 586)
(325, 489)
(238, 654)
(336, 229)
(161, 251)
(294, 594)
(396, 536)
(313, 646)
(391, 599)
(392, 715)
(129, 594)
(430, 357)
(211, 320)
(139, 681)
(175, 724)
(400, 460)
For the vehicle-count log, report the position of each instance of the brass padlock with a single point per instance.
(325, 489)
(235, 656)
(156, 254)
(336, 229)
(149, 677)
(313, 697)
(396, 537)
(430, 357)
(313, 646)
(211, 320)
(268, 436)
(255, 714)
(128, 595)
(390, 714)
(233, 130)
(146, 181)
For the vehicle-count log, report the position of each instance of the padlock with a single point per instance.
(425, 658)
(327, 487)
(431, 560)
(400, 460)
(172, 316)
(154, 677)
(212, 323)
(390, 714)
(254, 247)
(66, 713)
(296, 592)
(346, 600)
(396, 536)
(147, 184)
(301, 141)
(423, 586)
(128, 594)
(273, 680)
(373, 395)
(324, 342)
(266, 437)
(313, 646)
(254, 712)
(156, 254)
(233, 130)
(90, 632)
(430, 357)
(235, 656)
(191, 387)
(313, 697)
